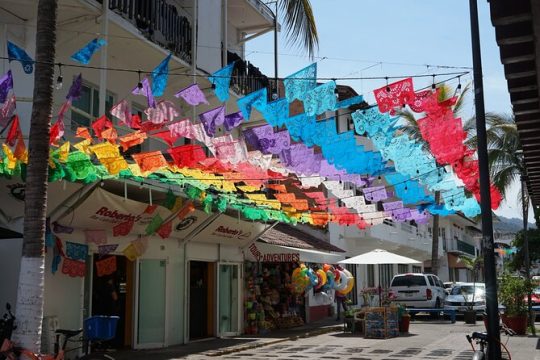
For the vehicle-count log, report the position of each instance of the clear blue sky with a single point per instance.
(393, 38)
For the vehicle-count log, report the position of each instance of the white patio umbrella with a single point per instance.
(379, 256)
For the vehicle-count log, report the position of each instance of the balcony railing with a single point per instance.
(247, 77)
(455, 245)
(159, 21)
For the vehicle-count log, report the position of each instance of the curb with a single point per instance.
(277, 341)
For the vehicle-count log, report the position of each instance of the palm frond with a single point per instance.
(300, 25)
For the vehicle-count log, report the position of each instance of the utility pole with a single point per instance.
(276, 88)
(490, 275)
(526, 258)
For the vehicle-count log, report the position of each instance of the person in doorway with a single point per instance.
(110, 306)
(341, 301)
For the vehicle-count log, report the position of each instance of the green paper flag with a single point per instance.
(170, 200)
(192, 192)
(154, 225)
(207, 204)
(222, 204)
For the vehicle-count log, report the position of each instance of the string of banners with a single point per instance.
(305, 171)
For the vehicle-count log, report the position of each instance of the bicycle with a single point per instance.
(96, 329)
(481, 339)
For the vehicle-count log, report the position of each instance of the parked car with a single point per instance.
(535, 297)
(448, 286)
(467, 295)
(416, 290)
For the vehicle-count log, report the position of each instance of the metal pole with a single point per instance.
(103, 60)
(276, 87)
(490, 275)
(527, 260)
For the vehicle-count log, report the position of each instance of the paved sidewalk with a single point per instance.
(217, 347)
(433, 339)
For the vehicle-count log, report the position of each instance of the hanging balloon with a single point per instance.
(299, 280)
(350, 285)
(314, 280)
(343, 281)
(321, 279)
(330, 279)
(326, 267)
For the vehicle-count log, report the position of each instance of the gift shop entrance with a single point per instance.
(111, 294)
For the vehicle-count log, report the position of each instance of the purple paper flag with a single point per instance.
(75, 90)
(146, 90)
(58, 229)
(6, 84)
(107, 249)
(212, 118)
(233, 120)
(376, 193)
(392, 205)
(192, 95)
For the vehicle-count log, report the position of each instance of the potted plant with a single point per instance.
(512, 293)
(404, 318)
(473, 264)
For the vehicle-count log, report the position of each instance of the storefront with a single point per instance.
(271, 301)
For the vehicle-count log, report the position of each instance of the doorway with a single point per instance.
(111, 296)
(201, 299)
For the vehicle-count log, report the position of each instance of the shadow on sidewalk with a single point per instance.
(214, 346)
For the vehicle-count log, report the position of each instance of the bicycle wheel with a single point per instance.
(96, 356)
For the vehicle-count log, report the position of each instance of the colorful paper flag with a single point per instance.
(84, 54)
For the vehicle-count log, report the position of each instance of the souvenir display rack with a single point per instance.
(381, 322)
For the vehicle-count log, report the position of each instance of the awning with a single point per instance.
(285, 243)
(263, 252)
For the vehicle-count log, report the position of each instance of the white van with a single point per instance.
(418, 290)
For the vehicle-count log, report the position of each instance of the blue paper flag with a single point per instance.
(160, 76)
(300, 83)
(222, 80)
(18, 54)
(255, 99)
(84, 54)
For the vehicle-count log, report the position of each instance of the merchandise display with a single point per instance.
(270, 300)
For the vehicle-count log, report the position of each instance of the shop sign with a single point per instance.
(231, 233)
(273, 257)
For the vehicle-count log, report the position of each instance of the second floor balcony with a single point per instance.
(460, 247)
(160, 21)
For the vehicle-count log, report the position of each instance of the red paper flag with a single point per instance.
(123, 229)
(187, 155)
(186, 209)
(101, 124)
(167, 137)
(150, 209)
(165, 230)
(106, 266)
(14, 131)
(135, 121)
(148, 126)
(73, 268)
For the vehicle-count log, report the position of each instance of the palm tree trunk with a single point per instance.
(30, 291)
(435, 237)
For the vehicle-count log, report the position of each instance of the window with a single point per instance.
(443, 233)
(409, 280)
(86, 108)
(431, 281)
(371, 275)
(416, 269)
(403, 268)
(385, 275)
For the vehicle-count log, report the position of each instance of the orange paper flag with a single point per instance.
(84, 133)
(150, 161)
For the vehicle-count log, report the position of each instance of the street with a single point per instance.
(427, 340)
